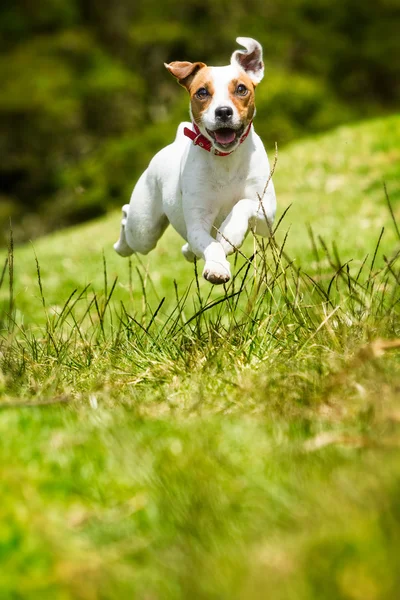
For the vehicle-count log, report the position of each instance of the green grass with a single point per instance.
(163, 439)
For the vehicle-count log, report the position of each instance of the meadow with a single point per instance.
(161, 438)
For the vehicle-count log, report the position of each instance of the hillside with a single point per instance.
(333, 183)
(237, 445)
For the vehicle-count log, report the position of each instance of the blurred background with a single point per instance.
(85, 100)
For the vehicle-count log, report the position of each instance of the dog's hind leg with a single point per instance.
(144, 220)
(143, 243)
(122, 246)
(187, 253)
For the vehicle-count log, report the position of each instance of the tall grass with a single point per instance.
(271, 310)
(237, 443)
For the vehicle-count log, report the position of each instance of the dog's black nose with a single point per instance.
(224, 113)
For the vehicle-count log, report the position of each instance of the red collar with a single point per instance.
(200, 140)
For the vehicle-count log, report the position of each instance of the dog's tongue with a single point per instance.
(225, 136)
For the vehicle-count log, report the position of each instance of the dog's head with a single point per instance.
(222, 98)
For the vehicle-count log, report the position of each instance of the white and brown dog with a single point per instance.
(209, 181)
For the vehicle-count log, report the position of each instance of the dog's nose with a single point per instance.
(224, 113)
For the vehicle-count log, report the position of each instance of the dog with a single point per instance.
(210, 182)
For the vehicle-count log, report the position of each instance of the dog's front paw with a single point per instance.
(231, 237)
(216, 272)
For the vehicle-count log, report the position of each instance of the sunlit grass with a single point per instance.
(219, 443)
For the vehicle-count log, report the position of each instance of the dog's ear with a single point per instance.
(250, 60)
(184, 71)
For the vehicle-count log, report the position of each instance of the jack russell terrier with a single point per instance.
(210, 182)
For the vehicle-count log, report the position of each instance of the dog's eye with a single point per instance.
(241, 90)
(202, 93)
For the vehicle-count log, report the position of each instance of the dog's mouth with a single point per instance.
(225, 137)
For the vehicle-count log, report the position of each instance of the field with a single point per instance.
(164, 439)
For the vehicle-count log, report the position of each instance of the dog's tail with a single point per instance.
(122, 247)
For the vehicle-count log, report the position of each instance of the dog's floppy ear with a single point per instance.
(250, 60)
(184, 71)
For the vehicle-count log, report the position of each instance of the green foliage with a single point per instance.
(79, 80)
(290, 106)
(78, 97)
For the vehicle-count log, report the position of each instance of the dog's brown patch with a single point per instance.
(245, 105)
(184, 71)
(202, 79)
